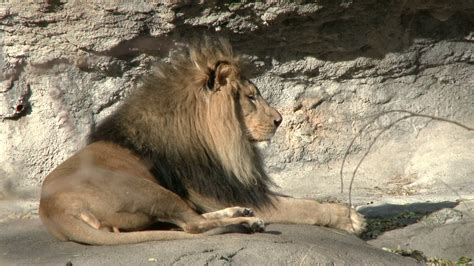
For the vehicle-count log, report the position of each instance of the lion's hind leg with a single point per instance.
(116, 221)
(90, 219)
(163, 205)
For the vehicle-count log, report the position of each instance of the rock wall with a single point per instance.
(328, 66)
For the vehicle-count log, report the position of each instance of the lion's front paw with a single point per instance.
(342, 217)
(243, 212)
(255, 225)
(354, 224)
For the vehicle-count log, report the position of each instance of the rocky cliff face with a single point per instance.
(328, 67)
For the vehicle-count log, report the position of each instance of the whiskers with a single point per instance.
(260, 134)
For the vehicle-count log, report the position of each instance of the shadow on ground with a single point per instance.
(389, 217)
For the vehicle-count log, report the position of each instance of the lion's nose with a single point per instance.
(278, 120)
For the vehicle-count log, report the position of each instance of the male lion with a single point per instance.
(182, 150)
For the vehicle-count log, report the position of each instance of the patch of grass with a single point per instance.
(419, 256)
(376, 226)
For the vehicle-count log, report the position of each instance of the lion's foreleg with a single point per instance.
(251, 224)
(304, 211)
(231, 212)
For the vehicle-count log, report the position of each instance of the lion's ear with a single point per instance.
(223, 72)
(220, 75)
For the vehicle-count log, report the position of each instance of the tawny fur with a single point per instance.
(193, 136)
(180, 148)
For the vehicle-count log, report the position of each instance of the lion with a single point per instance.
(182, 149)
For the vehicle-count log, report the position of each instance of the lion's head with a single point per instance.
(258, 119)
(197, 120)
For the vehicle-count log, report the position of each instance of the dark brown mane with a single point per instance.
(192, 142)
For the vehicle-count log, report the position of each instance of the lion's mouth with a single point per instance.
(261, 141)
(261, 144)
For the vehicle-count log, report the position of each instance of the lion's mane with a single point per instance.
(192, 141)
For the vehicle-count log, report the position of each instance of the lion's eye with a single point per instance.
(252, 97)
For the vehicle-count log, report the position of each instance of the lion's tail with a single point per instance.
(74, 229)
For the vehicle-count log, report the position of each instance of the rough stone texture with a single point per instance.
(281, 245)
(446, 233)
(328, 66)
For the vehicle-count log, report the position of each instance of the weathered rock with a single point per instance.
(327, 66)
(445, 232)
(450, 241)
(282, 244)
